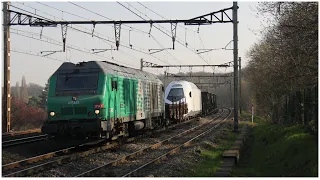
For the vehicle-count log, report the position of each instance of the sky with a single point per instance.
(79, 45)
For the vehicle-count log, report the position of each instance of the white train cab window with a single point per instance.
(190, 93)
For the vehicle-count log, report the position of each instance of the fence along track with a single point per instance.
(140, 152)
(37, 168)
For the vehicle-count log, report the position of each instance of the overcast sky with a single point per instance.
(38, 69)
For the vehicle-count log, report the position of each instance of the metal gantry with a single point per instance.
(23, 19)
(153, 65)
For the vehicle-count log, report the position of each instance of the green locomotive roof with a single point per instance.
(108, 68)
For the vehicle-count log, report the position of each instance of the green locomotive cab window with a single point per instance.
(114, 85)
(77, 82)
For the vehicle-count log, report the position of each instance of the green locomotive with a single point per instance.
(99, 99)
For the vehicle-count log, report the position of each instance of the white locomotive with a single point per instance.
(182, 100)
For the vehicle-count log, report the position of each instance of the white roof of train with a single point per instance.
(183, 85)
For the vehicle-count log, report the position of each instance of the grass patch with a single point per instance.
(212, 156)
(275, 150)
(246, 116)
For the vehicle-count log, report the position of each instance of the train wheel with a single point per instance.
(167, 122)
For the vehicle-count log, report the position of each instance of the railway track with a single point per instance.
(19, 133)
(174, 150)
(19, 141)
(136, 160)
(36, 164)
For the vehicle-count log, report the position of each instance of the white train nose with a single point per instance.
(184, 92)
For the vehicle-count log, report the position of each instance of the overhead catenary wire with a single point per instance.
(178, 25)
(150, 19)
(70, 47)
(161, 15)
(136, 29)
(99, 37)
(53, 8)
(152, 35)
(32, 54)
(177, 40)
(87, 32)
(60, 18)
(204, 48)
(112, 19)
(104, 39)
(129, 30)
(73, 47)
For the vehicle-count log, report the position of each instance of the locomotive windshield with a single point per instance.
(175, 94)
(77, 82)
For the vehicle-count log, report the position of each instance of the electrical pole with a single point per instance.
(141, 64)
(6, 58)
(164, 80)
(235, 62)
(230, 95)
(240, 106)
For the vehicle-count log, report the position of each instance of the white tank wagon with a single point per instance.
(182, 100)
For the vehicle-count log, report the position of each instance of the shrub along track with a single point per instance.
(32, 165)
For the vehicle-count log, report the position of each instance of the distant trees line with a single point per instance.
(28, 105)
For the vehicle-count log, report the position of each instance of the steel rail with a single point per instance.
(139, 152)
(60, 161)
(36, 159)
(175, 150)
(10, 134)
(25, 140)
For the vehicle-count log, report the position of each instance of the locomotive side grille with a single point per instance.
(67, 111)
(80, 110)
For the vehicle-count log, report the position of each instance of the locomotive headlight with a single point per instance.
(97, 111)
(52, 113)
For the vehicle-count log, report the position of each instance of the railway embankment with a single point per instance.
(273, 150)
(269, 150)
(208, 157)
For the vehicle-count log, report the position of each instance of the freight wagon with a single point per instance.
(208, 102)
